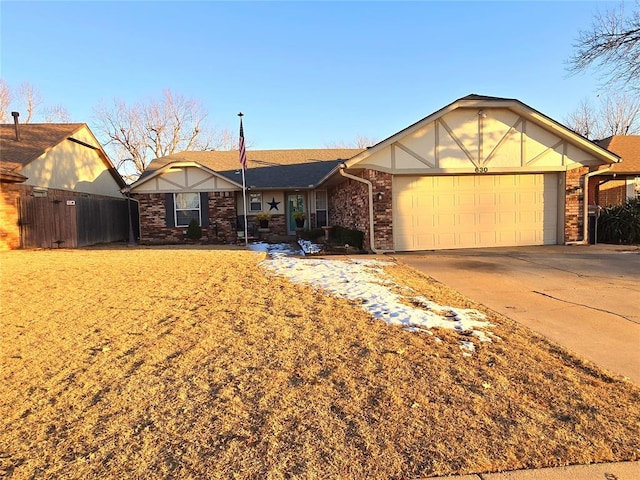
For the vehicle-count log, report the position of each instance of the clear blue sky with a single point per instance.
(306, 74)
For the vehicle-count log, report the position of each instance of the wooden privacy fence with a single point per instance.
(67, 220)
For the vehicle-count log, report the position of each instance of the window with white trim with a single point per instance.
(255, 202)
(187, 206)
(321, 208)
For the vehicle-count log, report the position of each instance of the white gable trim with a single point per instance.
(526, 115)
(162, 182)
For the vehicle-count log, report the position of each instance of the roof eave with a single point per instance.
(12, 177)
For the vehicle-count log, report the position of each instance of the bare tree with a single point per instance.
(617, 114)
(31, 98)
(583, 120)
(361, 141)
(621, 115)
(143, 131)
(56, 114)
(613, 43)
(27, 100)
(5, 101)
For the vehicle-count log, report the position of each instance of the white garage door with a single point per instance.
(474, 211)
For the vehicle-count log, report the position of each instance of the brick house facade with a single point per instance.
(219, 226)
(480, 172)
(349, 207)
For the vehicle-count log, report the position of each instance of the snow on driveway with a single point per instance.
(364, 281)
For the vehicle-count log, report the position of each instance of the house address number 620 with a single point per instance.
(482, 169)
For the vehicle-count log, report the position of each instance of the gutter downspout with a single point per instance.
(585, 206)
(370, 188)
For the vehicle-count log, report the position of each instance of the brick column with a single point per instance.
(574, 199)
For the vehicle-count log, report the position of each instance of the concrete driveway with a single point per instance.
(586, 298)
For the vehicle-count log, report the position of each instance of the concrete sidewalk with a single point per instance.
(600, 471)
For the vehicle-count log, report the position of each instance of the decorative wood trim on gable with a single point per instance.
(458, 142)
(185, 177)
(436, 146)
(470, 143)
(523, 143)
(502, 140)
(415, 155)
(545, 151)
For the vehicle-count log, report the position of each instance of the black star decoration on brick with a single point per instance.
(273, 205)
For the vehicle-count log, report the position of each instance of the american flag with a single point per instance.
(243, 151)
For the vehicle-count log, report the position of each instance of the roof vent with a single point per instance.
(15, 116)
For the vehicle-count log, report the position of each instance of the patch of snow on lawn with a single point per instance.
(309, 247)
(364, 281)
(275, 249)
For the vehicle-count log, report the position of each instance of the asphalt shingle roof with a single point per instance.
(627, 147)
(35, 139)
(275, 169)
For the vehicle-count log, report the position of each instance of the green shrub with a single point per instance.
(194, 231)
(620, 223)
(341, 236)
(311, 235)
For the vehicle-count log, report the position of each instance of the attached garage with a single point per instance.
(438, 212)
(480, 172)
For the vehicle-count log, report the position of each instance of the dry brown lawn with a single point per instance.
(175, 363)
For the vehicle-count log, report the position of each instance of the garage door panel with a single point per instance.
(445, 221)
(474, 211)
(486, 199)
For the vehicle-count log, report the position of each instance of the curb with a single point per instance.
(599, 471)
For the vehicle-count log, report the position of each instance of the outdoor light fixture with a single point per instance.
(481, 114)
(379, 196)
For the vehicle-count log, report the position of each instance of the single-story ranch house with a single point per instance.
(480, 172)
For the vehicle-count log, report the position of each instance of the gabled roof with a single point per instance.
(35, 140)
(627, 147)
(482, 101)
(266, 169)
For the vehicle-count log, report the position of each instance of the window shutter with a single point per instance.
(169, 217)
(204, 209)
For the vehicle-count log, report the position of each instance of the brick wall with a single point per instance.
(612, 192)
(574, 198)
(9, 228)
(349, 207)
(277, 224)
(382, 209)
(153, 228)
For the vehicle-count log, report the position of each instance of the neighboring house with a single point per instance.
(207, 186)
(59, 188)
(482, 171)
(622, 180)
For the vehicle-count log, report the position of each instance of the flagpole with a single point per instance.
(244, 199)
(243, 164)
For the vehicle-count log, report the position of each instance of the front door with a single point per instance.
(295, 203)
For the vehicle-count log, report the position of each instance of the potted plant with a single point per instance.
(263, 218)
(299, 217)
(194, 230)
